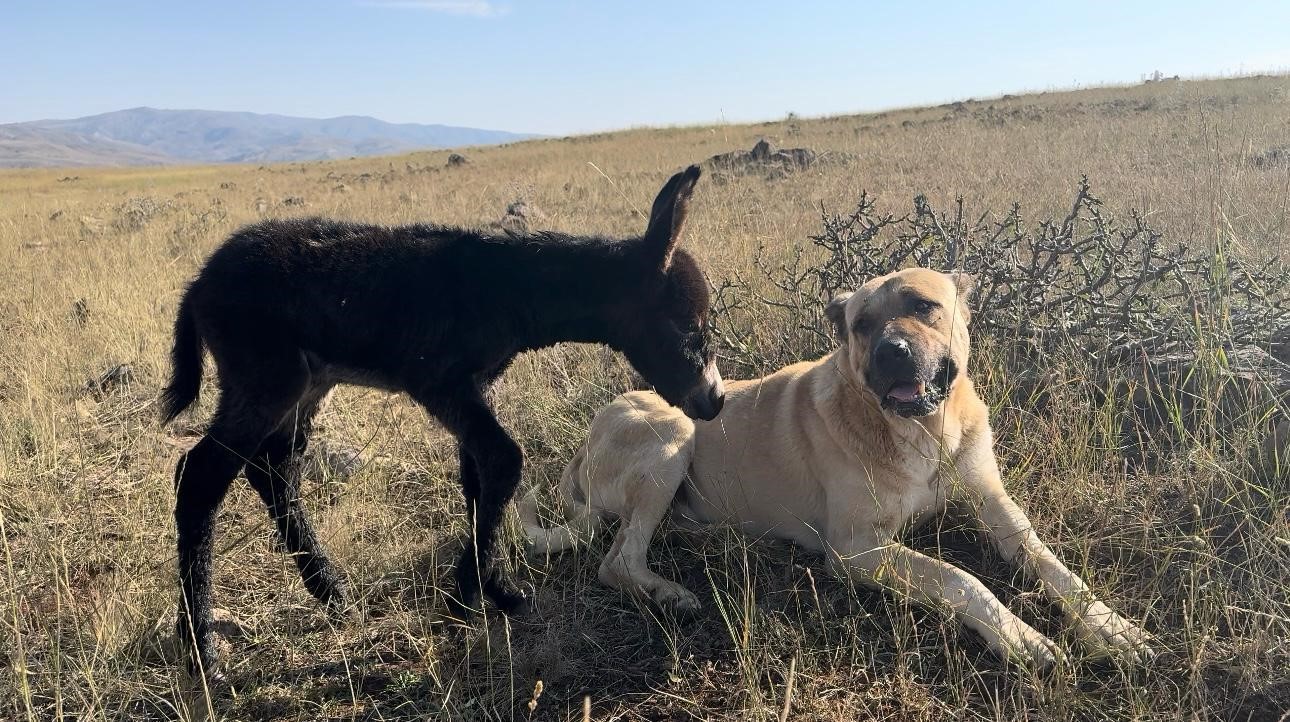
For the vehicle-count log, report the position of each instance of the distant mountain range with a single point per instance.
(146, 136)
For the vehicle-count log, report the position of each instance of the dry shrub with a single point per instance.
(1180, 334)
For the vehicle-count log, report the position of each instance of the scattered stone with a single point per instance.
(118, 375)
(324, 461)
(1272, 158)
(135, 213)
(80, 312)
(293, 201)
(227, 185)
(340, 188)
(519, 219)
(1279, 345)
(456, 160)
(765, 157)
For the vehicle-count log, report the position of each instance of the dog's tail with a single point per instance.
(186, 358)
(580, 522)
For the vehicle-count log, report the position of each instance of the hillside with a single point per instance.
(147, 136)
(1177, 527)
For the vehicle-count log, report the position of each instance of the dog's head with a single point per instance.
(905, 337)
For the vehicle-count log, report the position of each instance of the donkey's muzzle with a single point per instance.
(705, 401)
(704, 406)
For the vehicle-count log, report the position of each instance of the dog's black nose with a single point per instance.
(893, 349)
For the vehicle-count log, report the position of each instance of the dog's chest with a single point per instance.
(923, 453)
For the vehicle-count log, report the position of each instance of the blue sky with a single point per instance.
(564, 67)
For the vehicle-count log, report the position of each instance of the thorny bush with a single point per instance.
(1081, 291)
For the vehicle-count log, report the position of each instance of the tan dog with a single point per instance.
(837, 455)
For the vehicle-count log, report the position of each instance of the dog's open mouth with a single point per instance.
(917, 397)
(913, 398)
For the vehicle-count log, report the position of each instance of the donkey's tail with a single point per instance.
(580, 522)
(186, 358)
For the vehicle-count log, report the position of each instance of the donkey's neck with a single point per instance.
(568, 290)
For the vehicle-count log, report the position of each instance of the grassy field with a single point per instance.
(91, 266)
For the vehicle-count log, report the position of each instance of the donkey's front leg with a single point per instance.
(495, 474)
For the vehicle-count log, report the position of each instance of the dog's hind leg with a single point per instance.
(580, 520)
(655, 481)
(202, 478)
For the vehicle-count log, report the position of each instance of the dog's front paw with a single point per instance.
(1105, 633)
(1024, 645)
(675, 598)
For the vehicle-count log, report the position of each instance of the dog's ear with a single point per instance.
(966, 284)
(836, 312)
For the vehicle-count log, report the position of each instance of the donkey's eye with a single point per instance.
(685, 327)
(689, 325)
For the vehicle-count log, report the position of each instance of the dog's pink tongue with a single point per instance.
(903, 393)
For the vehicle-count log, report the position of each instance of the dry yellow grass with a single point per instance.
(87, 589)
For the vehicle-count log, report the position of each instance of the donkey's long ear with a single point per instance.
(668, 215)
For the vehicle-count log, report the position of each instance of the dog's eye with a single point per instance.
(923, 307)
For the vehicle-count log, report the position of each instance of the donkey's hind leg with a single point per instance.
(274, 472)
(257, 392)
(202, 478)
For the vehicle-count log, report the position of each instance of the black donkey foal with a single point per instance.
(290, 308)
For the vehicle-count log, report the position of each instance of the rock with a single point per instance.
(80, 312)
(456, 160)
(766, 158)
(520, 218)
(135, 213)
(1280, 345)
(330, 462)
(1272, 158)
(118, 375)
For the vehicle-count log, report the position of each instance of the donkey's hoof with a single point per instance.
(512, 600)
(205, 673)
(464, 610)
(335, 597)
